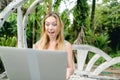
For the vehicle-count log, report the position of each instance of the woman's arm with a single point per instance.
(70, 65)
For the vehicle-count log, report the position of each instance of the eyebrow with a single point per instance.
(50, 22)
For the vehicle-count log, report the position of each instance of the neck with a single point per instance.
(52, 45)
(52, 39)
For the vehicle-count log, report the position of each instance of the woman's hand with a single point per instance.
(70, 65)
(69, 73)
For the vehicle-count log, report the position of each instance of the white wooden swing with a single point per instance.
(80, 72)
(85, 71)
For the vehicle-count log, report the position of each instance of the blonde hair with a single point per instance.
(44, 40)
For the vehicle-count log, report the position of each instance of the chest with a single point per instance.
(51, 46)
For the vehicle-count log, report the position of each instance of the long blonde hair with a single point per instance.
(44, 40)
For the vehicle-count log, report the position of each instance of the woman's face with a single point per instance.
(51, 27)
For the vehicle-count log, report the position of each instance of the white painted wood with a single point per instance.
(22, 42)
(92, 62)
(19, 27)
(82, 52)
(9, 9)
(81, 57)
(105, 65)
(25, 19)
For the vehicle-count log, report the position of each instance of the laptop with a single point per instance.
(31, 64)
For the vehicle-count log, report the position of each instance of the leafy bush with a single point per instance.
(8, 41)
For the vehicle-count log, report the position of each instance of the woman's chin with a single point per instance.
(52, 36)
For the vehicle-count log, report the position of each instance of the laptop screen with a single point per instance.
(30, 64)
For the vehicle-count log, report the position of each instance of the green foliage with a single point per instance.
(115, 54)
(65, 18)
(108, 21)
(108, 16)
(56, 5)
(89, 36)
(9, 28)
(66, 21)
(9, 31)
(8, 41)
(102, 41)
(99, 61)
(80, 13)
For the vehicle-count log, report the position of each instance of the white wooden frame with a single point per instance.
(21, 21)
(82, 52)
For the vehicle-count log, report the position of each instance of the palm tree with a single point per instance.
(80, 15)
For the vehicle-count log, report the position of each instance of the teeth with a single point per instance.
(51, 32)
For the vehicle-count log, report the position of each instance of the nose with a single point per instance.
(50, 26)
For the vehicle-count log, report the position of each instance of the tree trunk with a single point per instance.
(92, 14)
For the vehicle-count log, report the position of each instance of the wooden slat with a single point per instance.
(82, 52)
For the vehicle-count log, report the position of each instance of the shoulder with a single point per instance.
(36, 45)
(68, 45)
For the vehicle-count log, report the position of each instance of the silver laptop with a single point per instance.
(30, 64)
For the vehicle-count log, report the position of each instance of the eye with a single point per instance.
(47, 24)
(54, 24)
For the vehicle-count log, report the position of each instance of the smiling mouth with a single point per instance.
(51, 32)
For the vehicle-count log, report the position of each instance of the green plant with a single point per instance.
(102, 41)
(8, 41)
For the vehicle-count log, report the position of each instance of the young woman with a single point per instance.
(52, 38)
